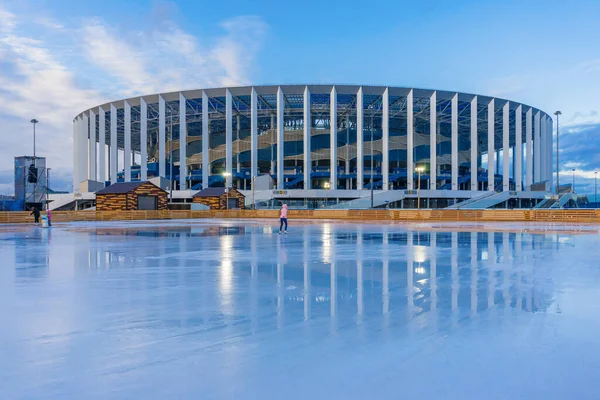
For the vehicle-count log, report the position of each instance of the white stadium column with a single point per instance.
(76, 154)
(92, 143)
(385, 141)
(307, 149)
(182, 143)
(102, 145)
(519, 148)
(528, 150)
(360, 139)
(280, 140)
(505, 147)
(454, 145)
(113, 144)
(410, 137)
(543, 150)
(253, 134)
(433, 141)
(491, 161)
(474, 144)
(83, 148)
(205, 147)
(537, 159)
(143, 140)
(228, 138)
(162, 139)
(333, 138)
(127, 146)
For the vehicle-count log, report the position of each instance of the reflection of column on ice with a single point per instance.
(474, 273)
(491, 269)
(507, 269)
(454, 273)
(518, 253)
(280, 282)
(410, 270)
(306, 259)
(433, 270)
(254, 279)
(386, 270)
(333, 273)
(359, 271)
(529, 275)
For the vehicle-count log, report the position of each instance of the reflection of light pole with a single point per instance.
(573, 185)
(326, 193)
(226, 175)
(34, 121)
(419, 170)
(557, 113)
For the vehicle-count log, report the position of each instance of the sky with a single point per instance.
(58, 58)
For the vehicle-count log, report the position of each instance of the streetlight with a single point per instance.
(34, 121)
(326, 186)
(419, 169)
(573, 186)
(253, 203)
(227, 175)
(372, 160)
(557, 113)
(171, 180)
(47, 187)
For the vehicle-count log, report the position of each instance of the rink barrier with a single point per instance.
(547, 216)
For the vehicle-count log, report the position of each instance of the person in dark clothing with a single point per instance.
(36, 215)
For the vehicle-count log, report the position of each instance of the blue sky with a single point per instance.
(59, 57)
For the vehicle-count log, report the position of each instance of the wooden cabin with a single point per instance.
(220, 199)
(128, 196)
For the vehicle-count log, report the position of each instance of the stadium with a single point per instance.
(313, 146)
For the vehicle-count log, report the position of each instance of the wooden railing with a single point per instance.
(547, 216)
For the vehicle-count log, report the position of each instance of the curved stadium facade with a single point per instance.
(349, 139)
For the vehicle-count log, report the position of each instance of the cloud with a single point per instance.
(167, 58)
(51, 71)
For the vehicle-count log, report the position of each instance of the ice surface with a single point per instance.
(232, 310)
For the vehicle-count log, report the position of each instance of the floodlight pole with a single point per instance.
(371, 160)
(34, 121)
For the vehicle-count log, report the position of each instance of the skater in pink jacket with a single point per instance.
(283, 218)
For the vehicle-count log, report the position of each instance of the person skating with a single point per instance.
(283, 218)
(36, 215)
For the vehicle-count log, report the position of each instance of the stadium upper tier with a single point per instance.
(388, 137)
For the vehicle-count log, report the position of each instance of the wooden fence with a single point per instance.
(548, 216)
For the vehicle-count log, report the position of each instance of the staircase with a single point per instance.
(488, 201)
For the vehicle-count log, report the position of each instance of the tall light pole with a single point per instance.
(573, 186)
(34, 121)
(253, 203)
(326, 186)
(47, 187)
(557, 113)
(372, 160)
(419, 169)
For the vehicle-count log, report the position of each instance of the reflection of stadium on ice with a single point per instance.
(328, 270)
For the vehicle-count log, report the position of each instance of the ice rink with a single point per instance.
(231, 310)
